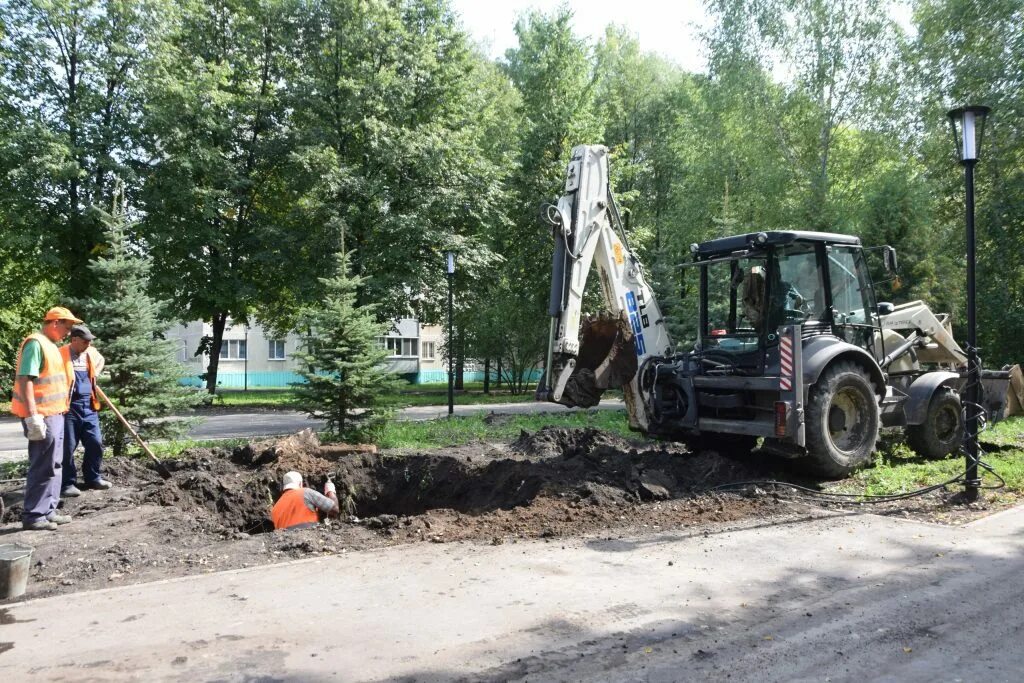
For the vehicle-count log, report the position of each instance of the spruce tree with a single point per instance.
(342, 361)
(144, 374)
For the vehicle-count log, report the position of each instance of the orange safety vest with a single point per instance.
(52, 388)
(65, 353)
(291, 510)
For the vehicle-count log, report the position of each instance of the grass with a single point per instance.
(172, 449)
(407, 399)
(13, 470)
(462, 430)
(254, 398)
(897, 469)
(413, 395)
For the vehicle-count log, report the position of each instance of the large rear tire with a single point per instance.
(842, 421)
(942, 431)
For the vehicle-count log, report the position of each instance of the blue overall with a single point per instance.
(82, 425)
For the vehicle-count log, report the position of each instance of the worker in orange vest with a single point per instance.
(42, 389)
(301, 507)
(82, 423)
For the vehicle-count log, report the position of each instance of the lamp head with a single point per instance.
(968, 124)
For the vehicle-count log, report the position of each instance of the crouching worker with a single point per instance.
(302, 507)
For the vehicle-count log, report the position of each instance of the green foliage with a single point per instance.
(257, 139)
(342, 361)
(553, 76)
(969, 53)
(142, 367)
(21, 311)
(394, 163)
(220, 136)
(72, 71)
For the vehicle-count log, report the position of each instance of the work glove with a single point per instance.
(329, 487)
(36, 427)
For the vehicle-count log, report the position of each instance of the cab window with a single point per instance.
(851, 291)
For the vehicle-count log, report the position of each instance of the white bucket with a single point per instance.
(15, 560)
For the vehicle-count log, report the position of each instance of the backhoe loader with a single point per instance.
(791, 347)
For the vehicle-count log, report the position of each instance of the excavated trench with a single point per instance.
(579, 468)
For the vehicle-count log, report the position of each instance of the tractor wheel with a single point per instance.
(842, 421)
(943, 428)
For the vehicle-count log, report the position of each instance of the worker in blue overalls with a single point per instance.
(82, 422)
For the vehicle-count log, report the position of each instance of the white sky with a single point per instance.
(670, 28)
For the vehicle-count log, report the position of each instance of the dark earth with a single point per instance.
(213, 512)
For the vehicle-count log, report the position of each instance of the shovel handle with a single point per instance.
(132, 431)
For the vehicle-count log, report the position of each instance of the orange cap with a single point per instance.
(60, 313)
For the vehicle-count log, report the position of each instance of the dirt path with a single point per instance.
(213, 513)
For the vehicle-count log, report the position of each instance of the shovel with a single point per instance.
(159, 465)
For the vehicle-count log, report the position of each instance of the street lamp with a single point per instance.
(450, 255)
(968, 125)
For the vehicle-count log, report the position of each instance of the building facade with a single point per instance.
(252, 358)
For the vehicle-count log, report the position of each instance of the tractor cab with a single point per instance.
(752, 285)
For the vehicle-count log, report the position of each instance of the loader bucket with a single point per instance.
(1015, 392)
(1003, 393)
(607, 359)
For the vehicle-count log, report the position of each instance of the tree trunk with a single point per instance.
(487, 375)
(74, 183)
(218, 323)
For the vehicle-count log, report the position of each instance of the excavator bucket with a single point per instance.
(607, 359)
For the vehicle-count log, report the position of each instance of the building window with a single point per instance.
(232, 349)
(428, 350)
(398, 346)
(275, 350)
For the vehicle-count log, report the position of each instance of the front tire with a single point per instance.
(842, 421)
(942, 431)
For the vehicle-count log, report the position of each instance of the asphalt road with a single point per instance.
(844, 598)
(243, 424)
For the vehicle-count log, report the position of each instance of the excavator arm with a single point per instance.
(587, 355)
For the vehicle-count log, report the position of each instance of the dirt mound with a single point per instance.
(552, 442)
(300, 452)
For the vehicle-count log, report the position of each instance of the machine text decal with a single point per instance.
(634, 321)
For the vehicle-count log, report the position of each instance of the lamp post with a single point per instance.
(968, 124)
(451, 339)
